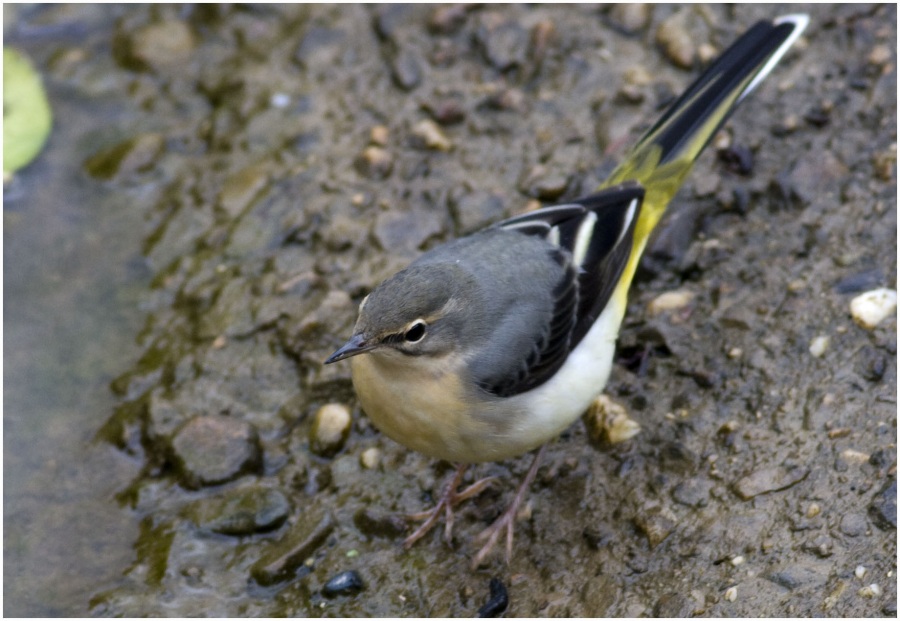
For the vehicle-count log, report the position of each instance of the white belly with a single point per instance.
(419, 403)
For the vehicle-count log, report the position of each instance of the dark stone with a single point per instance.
(406, 70)
(692, 492)
(374, 523)
(242, 512)
(863, 281)
(796, 576)
(498, 601)
(674, 605)
(345, 583)
(209, 450)
(282, 560)
(883, 509)
(504, 43)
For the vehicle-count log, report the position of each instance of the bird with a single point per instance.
(489, 346)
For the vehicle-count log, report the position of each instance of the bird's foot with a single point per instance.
(507, 520)
(448, 500)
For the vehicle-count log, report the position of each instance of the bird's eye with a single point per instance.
(415, 333)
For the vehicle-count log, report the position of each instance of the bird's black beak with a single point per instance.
(356, 345)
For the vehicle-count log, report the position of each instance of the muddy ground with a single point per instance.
(283, 160)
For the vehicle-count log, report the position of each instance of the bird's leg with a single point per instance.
(507, 520)
(449, 498)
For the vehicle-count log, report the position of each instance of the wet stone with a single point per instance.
(796, 576)
(854, 524)
(676, 42)
(209, 450)
(656, 524)
(374, 163)
(136, 155)
(692, 493)
(883, 509)
(674, 605)
(504, 43)
(769, 480)
(406, 70)
(630, 18)
(242, 512)
(282, 560)
(330, 429)
(158, 46)
(345, 583)
(241, 187)
(476, 210)
(396, 230)
(379, 524)
(447, 19)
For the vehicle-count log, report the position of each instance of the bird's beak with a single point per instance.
(356, 345)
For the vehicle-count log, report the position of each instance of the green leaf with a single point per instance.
(26, 112)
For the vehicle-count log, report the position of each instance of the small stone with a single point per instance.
(280, 562)
(731, 594)
(160, 46)
(630, 18)
(674, 606)
(854, 524)
(430, 134)
(883, 509)
(374, 163)
(737, 560)
(860, 572)
(769, 480)
(379, 135)
(855, 457)
(796, 576)
(692, 492)
(345, 583)
(656, 524)
(870, 592)
(503, 42)
(209, 450)
(447, 111)
(819, 345)
(880, 55)
(872, 307)
(476, 210)
(377, 524)
(370, 458)
(676, 42)
(241, 188)
(398, 230)
(128, 158)
(330, 429)
(406, 70)
(670, 301)
(448, 19)
(707, 53)
(813, 510)
(608, 422)
(242, 512)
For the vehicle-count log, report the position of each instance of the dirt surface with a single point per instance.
(287, 159)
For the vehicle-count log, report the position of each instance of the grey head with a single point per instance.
(425, 309)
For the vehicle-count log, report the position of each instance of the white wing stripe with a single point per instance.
(583, 238)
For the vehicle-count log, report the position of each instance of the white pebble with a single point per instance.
(608, 421)
(870, 308)
(670, 300)
(860, 572)
(873, 590)
(429, 132)
(731, 593)
(280, 100)
(737, 560)
(370, 458)
(330, 429)
(818, 346)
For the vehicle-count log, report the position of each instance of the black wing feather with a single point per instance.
(586, 285)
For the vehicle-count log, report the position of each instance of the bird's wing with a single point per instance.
(591, 239)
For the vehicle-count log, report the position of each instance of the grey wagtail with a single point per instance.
(490, 346)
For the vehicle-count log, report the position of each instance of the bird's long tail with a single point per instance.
(665, 155)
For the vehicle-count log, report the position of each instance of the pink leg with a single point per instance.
(449, 498)
(507, 520)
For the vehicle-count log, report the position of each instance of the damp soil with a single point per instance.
(277, 162)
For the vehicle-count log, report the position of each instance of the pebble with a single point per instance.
(406, 70)
(608, 422)
(656, 524)
(374, 163)
(497, 602)
(379, 135)
(674, 605)
(880, 55)
(448, 19)
(242, 512)
(280, 562)
(431, 135)
(161, 45)
(209, 450)
(447, 110)
(630, 18)
(883, 509)
(370, 458)
(692, 492)
(676, 42)
(241, 188)
(819, 345)
(670, 301)
(769, 480)
(854, 524)
(504, 43)
(330, 429)
(870, 591)
(872, 307)
(860, 572)
(375, 523)
(731, 594)
(345, 583)
(139, 154)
